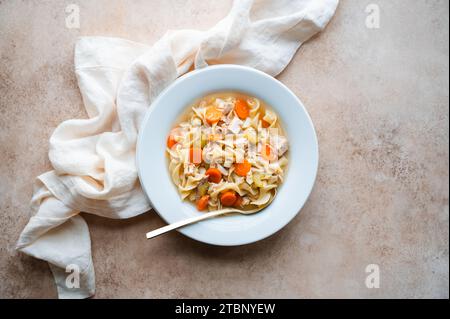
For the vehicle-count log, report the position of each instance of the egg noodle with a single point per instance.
(229, 150)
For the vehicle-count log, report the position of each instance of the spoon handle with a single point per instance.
(187, 221)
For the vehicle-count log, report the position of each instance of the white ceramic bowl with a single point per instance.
(303, 154)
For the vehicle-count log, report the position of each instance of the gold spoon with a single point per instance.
(196, 219)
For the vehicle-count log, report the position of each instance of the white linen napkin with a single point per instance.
(94, 158)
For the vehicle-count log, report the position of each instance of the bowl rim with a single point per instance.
(186, 77)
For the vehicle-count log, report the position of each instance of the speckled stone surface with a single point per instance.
(379, 101)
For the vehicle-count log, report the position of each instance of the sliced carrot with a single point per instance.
(202, 202)
(213, 115)
(267, 153)
(171, 141)
(238, 202)
(228, 198)
(265, 124)
(241, 108)
(195, 155)
(214, 175)
(243, 168)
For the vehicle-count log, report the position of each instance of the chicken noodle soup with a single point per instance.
(228, 150)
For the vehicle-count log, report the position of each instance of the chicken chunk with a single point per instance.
(280, 144)
(224, 105)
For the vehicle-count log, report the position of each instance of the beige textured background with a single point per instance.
(378, 98)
